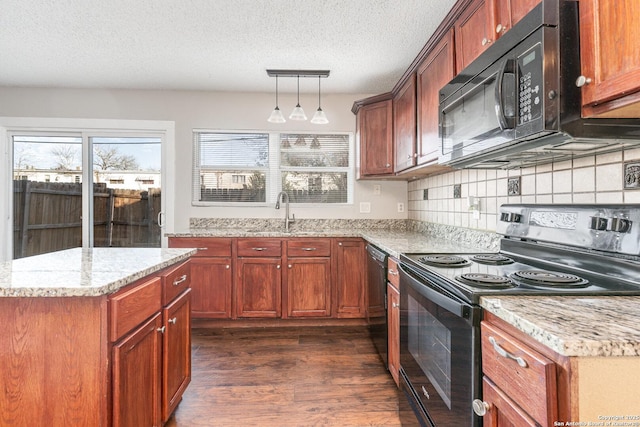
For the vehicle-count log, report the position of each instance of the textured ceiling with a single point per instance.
(221, 45)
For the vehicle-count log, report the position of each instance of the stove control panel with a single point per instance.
(510, 217)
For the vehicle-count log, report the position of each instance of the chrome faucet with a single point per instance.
(285, 199)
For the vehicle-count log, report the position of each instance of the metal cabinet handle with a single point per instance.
(582, 80)
(174, 320)
(227, 266)
(278, 266)
(290, 266)
(485, 41)
(340, 244)
(393, 272)
(480, 407)
(504, 353)
(179, 280)
(161, 330)
(203, 249)
(387, 165)
(395, 305)
(259, 249)
(308, 249)
(501, 28)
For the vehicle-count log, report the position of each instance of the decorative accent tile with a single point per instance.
(425, 194)
(513, 186)
(457, 191)
(632, 175)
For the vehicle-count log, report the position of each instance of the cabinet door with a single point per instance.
(308, 287)
(509, 12)
(474, 32)
(404, 125)
(375, 126)
(609, 52)
(436, 70)
(502, 411)
(393, 325)
(211, 284)
(259, 287)
(176, 352)
(350, 275)
(136, 376)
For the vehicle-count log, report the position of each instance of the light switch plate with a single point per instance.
(365, 207)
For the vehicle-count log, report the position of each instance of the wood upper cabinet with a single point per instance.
(136, 376)
(437, 69)
(375, 132)
(404, 125)
(509, 12)
(393, 325)
(307, 289)
(259, 278)
(211, 275)
(176, 349)
(474, 32)
(609, 54)
(349, 278)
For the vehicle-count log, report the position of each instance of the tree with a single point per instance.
(64, 156)
(107, 157)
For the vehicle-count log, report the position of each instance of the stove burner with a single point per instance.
(444, 260)
(492, 259)
(550, 279)
(483, 280)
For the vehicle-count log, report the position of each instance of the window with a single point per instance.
(251, 168)
(315, 168)
(116, 181)
(222, 158)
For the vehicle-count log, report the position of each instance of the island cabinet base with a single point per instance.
(52, 369)
(121, 359)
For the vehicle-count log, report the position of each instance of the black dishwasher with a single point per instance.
(377, 305)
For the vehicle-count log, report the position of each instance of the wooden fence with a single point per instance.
(48, 217)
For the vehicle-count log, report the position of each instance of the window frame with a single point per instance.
(274, 171)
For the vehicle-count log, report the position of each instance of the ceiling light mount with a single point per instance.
(298, 113)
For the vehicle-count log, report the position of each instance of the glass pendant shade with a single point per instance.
(298, 113)
(276, 116)
(319, 118)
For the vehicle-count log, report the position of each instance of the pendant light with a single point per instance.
(276, 115)
(298, 112)
(319, 118)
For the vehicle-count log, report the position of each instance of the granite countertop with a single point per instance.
(574, 326)
(83, 272)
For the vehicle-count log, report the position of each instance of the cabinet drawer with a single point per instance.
(131, 306)
(207, 246)
(259, 247)
(525, 375)
(175, 280)
(392, 272)
(308, 247)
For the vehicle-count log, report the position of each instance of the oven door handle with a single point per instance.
(449, 303)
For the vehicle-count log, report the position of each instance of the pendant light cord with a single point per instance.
(298, 90)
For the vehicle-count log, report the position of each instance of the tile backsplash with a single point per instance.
(594, 180)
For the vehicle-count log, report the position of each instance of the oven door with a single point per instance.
(439, 350)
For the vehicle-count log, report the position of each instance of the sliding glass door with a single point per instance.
(59, 180)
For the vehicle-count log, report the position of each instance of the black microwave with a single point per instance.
(519, 102)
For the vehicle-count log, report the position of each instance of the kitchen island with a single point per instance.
(94, 337)
(592, 342)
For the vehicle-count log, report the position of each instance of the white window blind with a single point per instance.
(316, 168)
(230, 167)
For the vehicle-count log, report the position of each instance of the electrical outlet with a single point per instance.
(365, 207)
(400, 207)
(376, 190)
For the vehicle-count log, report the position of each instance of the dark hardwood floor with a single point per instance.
(283, 376)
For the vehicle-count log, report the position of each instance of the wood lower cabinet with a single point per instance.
(374, 127)
(609, 52)
(307, 289)
(393, 326)
(176, 352)
(349, 278)
(137, 360)
(211, 275)
(502, 411)
(259, 287)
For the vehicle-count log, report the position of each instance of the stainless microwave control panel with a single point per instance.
(530, 84)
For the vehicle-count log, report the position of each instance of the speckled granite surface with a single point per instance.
(574, 326)
(83, 272)
(393, 236)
